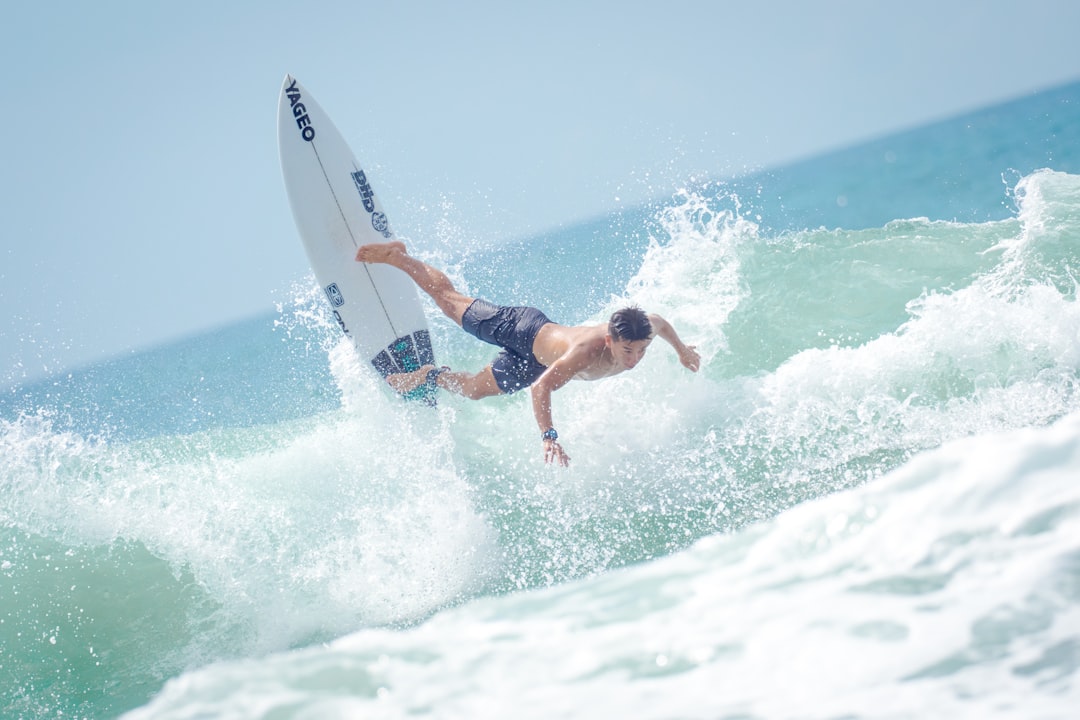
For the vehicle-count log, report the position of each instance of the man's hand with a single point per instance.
(688, 356)
(553, 452)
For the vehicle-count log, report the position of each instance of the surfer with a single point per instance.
(537, 352)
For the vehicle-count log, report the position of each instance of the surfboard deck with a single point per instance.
(336, 211)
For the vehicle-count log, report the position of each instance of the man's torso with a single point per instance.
(554, 341)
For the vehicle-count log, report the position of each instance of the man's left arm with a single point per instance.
(688, 354)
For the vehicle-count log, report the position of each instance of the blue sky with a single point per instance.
(141, 190)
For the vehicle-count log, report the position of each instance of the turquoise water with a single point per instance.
(864, 505)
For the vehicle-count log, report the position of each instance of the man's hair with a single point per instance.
(629, 324)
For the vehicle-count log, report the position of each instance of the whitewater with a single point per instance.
(864, 505)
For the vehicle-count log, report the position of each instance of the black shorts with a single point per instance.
(513, 329)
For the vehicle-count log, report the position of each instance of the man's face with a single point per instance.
(628, 353)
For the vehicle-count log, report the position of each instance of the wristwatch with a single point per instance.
(549, 434)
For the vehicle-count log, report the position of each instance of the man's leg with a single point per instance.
(429, 279)
(453, 303)
(469, 385)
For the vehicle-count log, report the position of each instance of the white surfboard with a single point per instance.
(336, 211)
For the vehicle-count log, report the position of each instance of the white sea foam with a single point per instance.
(949, 588)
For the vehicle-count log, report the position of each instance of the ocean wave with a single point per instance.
(291, 499)
(950, 587)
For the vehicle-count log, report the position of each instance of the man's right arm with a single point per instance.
(558, 374)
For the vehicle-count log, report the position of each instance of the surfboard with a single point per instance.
(336, 211)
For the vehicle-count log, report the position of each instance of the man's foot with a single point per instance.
(404, 382)
(381, 252)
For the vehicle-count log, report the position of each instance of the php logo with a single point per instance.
(333, 294)
(367, 195)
